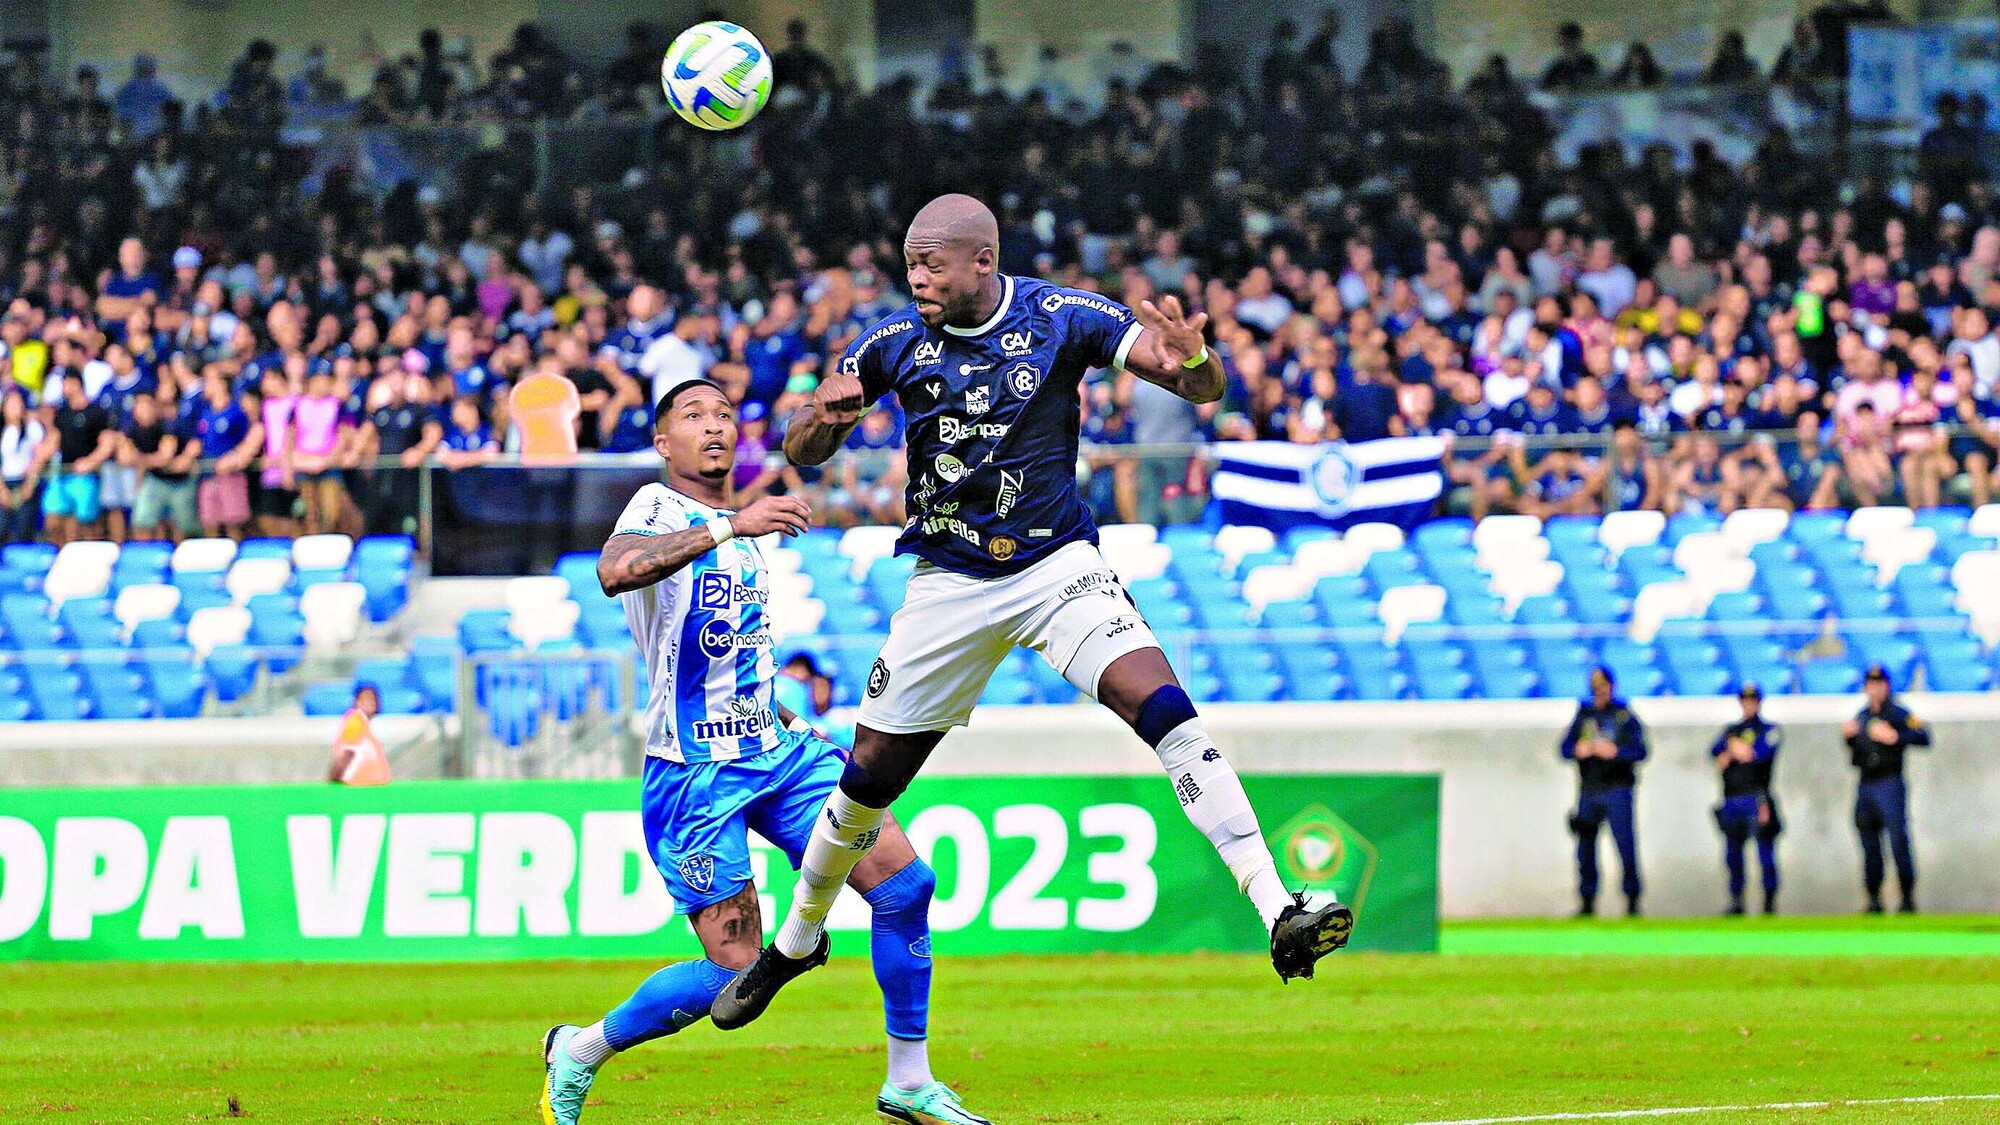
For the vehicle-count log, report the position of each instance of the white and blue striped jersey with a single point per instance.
(705, 640)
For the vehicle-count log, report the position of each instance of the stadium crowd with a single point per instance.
(192, 342)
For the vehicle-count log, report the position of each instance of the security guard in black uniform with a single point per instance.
(1745, 753)
(1607, 743)
(1877, 738)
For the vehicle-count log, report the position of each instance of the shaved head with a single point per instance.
(955, 221)
(952, 255)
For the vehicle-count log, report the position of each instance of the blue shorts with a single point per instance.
(698, 816)
(73, 494)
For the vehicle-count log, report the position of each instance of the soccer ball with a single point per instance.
(716, 75)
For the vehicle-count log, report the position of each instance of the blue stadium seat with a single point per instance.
(1925, 591)
(1394, 568)
(1255, 559)
(1007, 689)
(1508, 683)
(1743, 606)
(579, 569)
(848, 613)
(515, 717)
(163, 632)
(1829, 676)
(1248, 671)
(54, 691)
(1809, 527)
(1681, 526)
(281, 636)
(198, 594)
(485, 630)
(1771, 679)
(1946, 519)
(1863, 603)
(1304, 533)
(232, 671)
(175, 680)
(434, 667)
(35, 558)
(603, 632)
(1544, 609)
(1452, 531)
(114, 689)
(1776, 553)
(391, 550)
(330, 697)
(1571, 529)
(385, 671)
(1599, 605)
(1465, 608)
(1311, 671)
(1446, 565)
(1436, 682)
(1893, 651)
(1793, 600)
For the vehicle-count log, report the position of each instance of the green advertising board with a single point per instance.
(465, 870)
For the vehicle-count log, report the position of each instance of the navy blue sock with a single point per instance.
(669, 1000)
(901, 948)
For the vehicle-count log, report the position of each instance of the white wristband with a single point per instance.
(798, 725)
(722, 529)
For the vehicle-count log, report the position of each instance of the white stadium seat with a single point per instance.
(1121, 536)
(332, 612)
(1234, 542)
(1985, 521)
(1137, 562)
(204, 556)
(1661, 602)
(545, 622)
(789, 588)
(1632, 527)
(145, 603)
(533, 592)
(1721, 574)
(75, 581)
(863, 545)
(1267, 584)
(1375, 536)
(218, 625)
(1747, 527)
(1496, 555)
(86, 555)
(1516, 584)
(1404, 606)
(1703, 548)
(322, 552)
(783, 560)
(249, 577)
(1867, 523)
(1892, 551)
(1494, 529)
(798, 619)
(1326, 558)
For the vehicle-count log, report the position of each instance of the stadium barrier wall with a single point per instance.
(1505, 849)
(450, 870)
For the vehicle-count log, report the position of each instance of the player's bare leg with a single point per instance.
(1140, 688)
(668, 1001)
(844, 838)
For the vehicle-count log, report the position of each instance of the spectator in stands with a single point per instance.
(468, 442)
(151, 446)
(320, 440)
(1639, 70)
(358, 757)
(1878, 737)
(226, 436)
(1573, 67)
(1732, 62)
(24, 454)
(1607, 742)
(86, 441)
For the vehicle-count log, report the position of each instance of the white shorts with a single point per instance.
(954, 630)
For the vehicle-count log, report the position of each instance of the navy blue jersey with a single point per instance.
(991, 421)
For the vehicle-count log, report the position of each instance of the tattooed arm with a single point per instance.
(635, 560)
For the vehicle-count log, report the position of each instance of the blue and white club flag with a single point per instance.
(1280, 485)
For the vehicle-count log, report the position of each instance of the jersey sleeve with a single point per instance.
(1101, 330)
(869, 357)
(653, 511)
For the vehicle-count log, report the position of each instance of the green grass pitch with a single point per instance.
(1530, 1018)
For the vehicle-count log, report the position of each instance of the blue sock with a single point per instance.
(901, 948)
(669, 1000)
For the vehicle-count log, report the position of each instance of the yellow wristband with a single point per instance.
(1197, 359)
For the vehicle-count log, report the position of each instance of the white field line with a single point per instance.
(1678, 1111)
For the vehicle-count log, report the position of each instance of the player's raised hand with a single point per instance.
(839, 399)
(1175, 334)
(767, 514)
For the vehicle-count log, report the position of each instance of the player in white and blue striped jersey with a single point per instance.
(723, 758)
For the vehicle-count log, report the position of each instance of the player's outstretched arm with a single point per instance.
(1170, 342)
(633, 561)
(818, 429)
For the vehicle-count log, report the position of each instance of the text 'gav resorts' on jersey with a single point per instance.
(704, 638)
(991, 421)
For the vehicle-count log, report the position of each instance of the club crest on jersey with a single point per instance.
(1001, 547)
(934, 388)
(1023, 379)
(926, 488)
(978, 400)
(878, 682)
(950, 468)
(1017, 344)
(929, 352)
(1010, 492)
(699, 871)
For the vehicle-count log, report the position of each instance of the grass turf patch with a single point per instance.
(1380, 1040)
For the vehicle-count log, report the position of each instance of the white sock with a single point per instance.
(909, 1063)
(843, 833)
(1212, 797)
(589, 1046)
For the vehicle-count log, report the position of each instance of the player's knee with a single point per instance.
(1163, 711)
(907, 892)
(870, 789)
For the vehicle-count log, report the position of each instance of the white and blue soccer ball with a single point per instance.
(716, 75)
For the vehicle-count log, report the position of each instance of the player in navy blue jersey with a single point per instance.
(988, 369)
